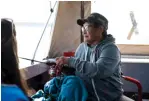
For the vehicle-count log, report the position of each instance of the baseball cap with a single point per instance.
(94, 18)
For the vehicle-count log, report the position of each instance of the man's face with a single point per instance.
(91, 34)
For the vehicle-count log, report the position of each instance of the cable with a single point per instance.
(32, 61)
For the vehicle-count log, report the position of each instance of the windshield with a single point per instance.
(127, 18)
(30, 18)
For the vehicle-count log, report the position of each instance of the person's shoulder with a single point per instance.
(81, 47)
(12, 93)
(109, 45)
(82, 44)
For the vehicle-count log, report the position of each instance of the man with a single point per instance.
(97, 60)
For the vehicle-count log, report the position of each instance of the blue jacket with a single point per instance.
(67, 88)
(12, 93)
(99, 68)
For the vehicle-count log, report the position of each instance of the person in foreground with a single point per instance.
(97, 60)
(13, 87)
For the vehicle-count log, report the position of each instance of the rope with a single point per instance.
(52, 9)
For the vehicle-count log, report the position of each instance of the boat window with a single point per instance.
(128, 23)
(30, 18)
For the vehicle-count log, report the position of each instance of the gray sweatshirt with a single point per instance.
(99, 67)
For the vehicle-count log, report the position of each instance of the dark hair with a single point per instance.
(9, 57)
(96, 25)
(104, 34)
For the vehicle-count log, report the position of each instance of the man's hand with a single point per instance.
(61, 60)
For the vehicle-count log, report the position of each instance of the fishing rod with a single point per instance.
(55, 70)
(44, 61)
